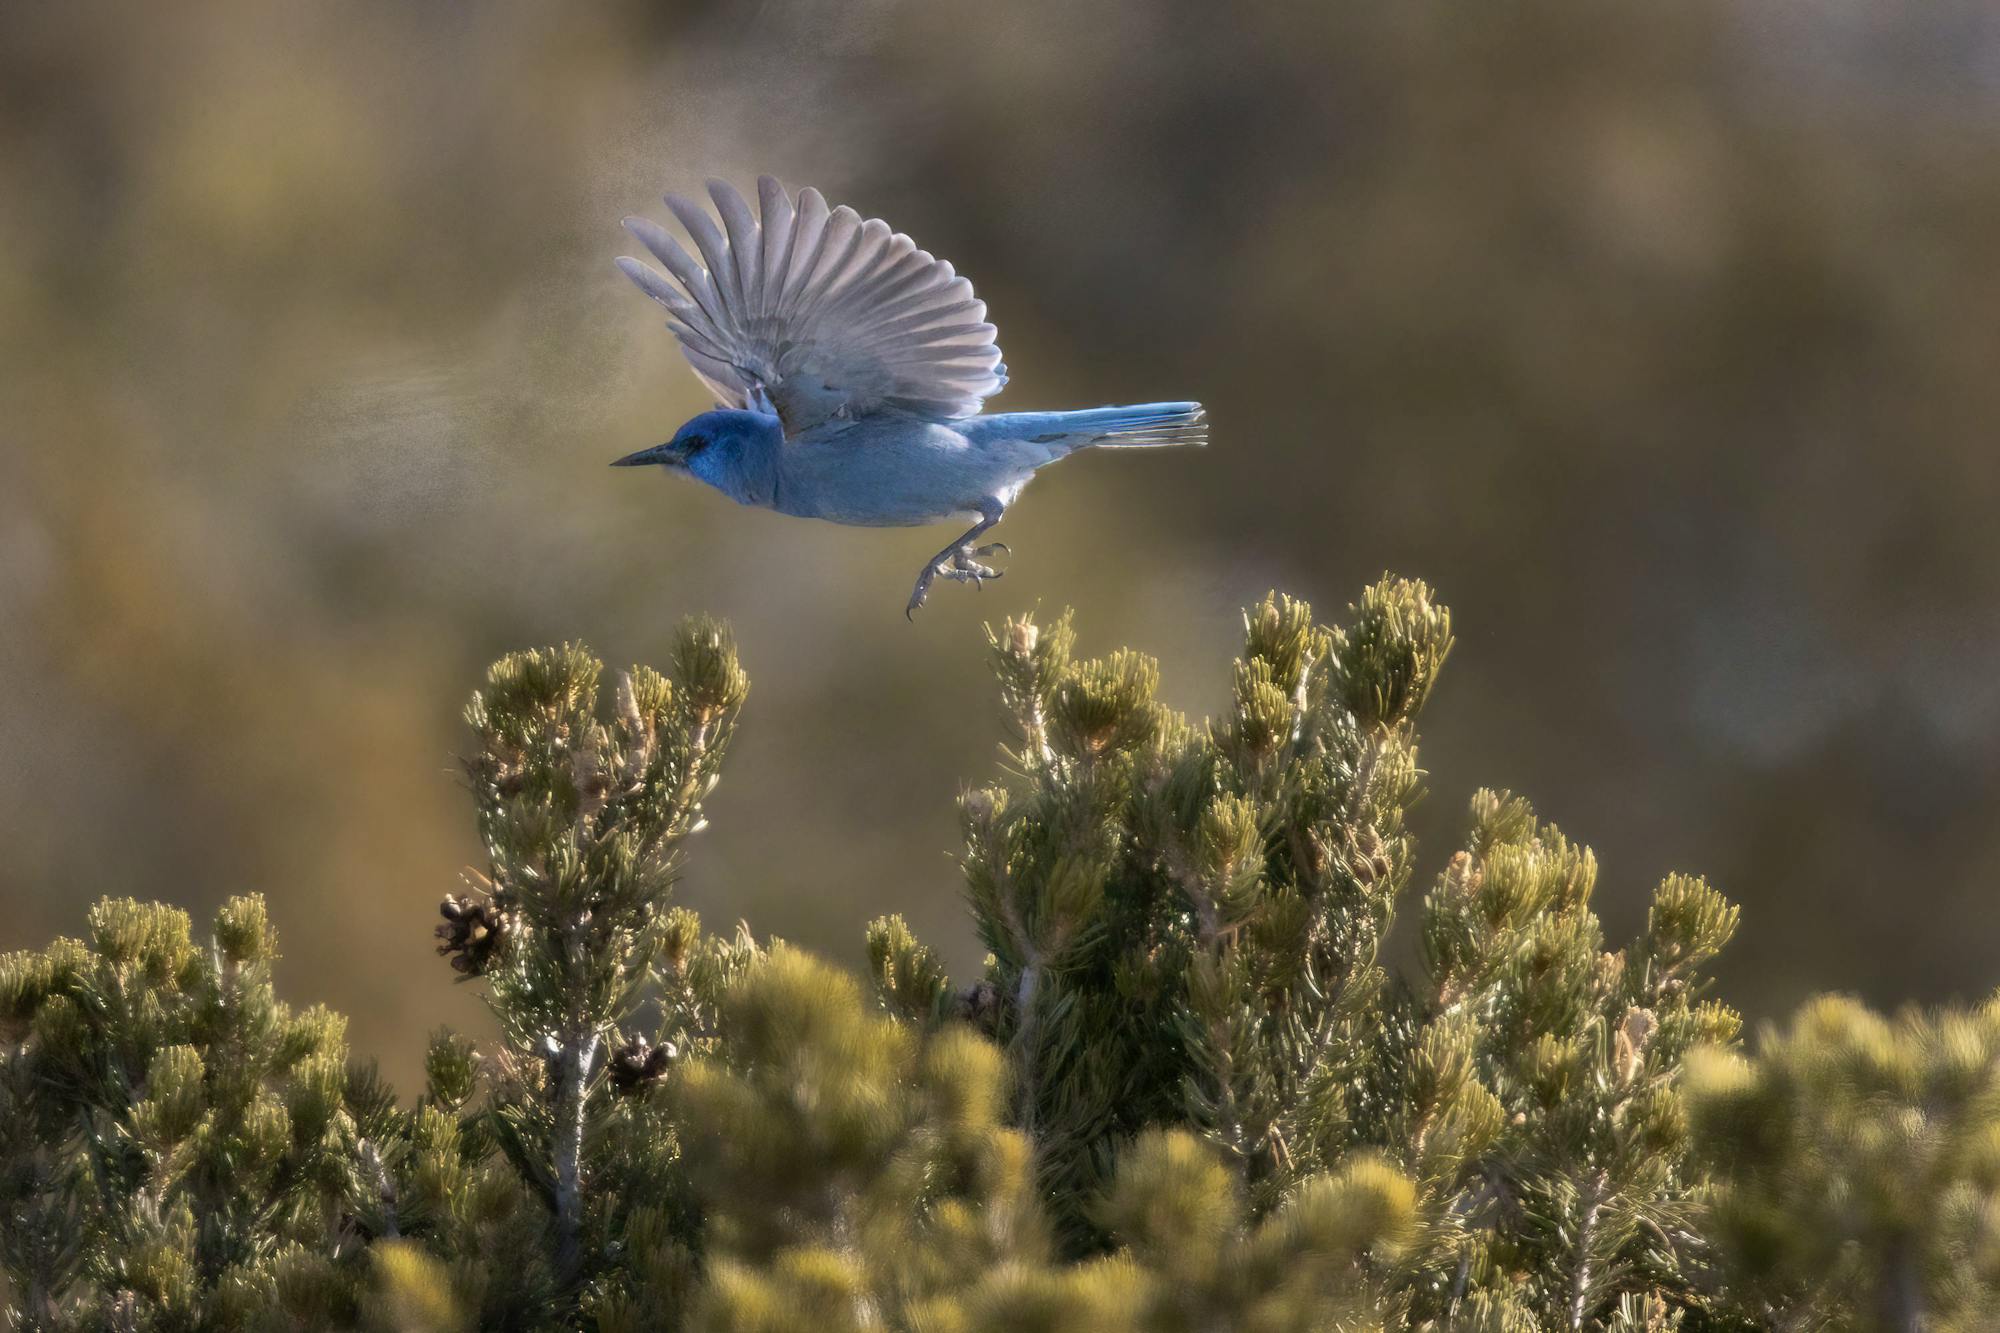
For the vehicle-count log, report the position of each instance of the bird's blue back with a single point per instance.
(892, 468)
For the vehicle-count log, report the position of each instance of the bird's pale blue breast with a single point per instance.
(892, 470)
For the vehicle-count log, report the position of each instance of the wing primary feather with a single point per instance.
(979, 357)
(873, 236)
(967, 312)
(745, 248)
(898, 261)
(651, 283)
(888, 280)
(951, 335)
(894, 300)
(720, 376)
(686, 272)
(958, 289)
(843, 237)
(714, 251)
(667, 295)
(808, 237)
(663, 247)
(779, 228)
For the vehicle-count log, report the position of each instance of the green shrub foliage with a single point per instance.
(1859, 1165)
(1185, 1093)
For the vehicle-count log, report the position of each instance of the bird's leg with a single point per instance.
(960, 560)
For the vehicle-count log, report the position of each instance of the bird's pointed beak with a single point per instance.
(662, 454)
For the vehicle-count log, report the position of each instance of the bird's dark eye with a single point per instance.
(694, 444)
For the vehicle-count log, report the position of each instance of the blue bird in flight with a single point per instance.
(852, 369)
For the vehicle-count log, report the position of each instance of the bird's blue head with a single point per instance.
(730, 449)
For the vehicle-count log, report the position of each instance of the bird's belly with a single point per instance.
(891, 488)
(872, 507)
(884, 518)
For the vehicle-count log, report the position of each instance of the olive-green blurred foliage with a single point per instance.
(1661, 334)
(1862, 1161)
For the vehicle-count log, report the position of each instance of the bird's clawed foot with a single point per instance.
(965, 566)
(960, 564)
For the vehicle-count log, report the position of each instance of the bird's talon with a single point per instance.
(960, 565)
(921, 591)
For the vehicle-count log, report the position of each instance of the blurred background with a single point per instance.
(1664, 340)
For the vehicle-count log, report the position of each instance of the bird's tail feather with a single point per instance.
(1145, 426)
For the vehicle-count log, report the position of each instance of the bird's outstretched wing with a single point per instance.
(815, 313)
